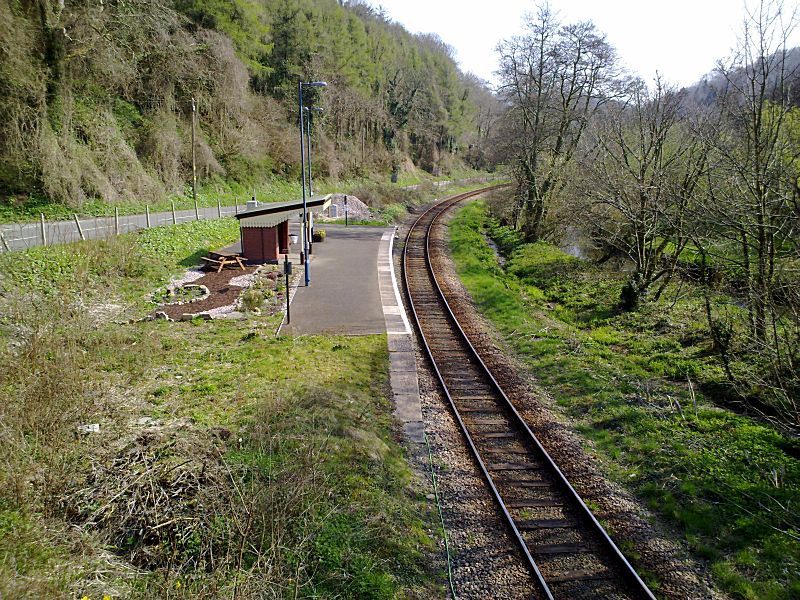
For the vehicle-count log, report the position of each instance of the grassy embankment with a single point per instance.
(228, 462)
(727, 483)
(228, 193)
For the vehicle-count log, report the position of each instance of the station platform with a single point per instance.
(344, 295)
(353, 290)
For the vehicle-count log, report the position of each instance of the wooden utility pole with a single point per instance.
(194, 164)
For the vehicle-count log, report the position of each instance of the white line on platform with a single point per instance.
(398, 301)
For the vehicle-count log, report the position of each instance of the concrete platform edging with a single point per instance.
(402, 358)
(393, 311)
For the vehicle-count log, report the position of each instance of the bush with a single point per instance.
(319, 235)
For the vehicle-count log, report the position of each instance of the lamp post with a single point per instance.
(194, 165)
(300, 86)
(308, 110)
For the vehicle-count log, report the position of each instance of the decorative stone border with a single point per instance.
(171, 289)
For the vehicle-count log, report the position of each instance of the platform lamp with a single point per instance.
(300, 86)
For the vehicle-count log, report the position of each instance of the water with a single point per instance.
(501, 260)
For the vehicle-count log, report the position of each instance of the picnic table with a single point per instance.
(219, 260)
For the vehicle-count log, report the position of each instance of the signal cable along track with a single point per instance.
(569, 554)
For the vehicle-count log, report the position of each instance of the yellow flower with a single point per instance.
(106, 597)
(86, 598)
(177, 585)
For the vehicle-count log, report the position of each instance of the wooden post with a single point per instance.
(147, 214)
(78, 224)
(174, 217)
(219, 208)
(286, 273)
(194, 165)
(4, 242)
(116, 220)
(44, 233)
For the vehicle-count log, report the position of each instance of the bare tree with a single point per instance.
(752, 195)
(487, 110)
(554, 78)
(643, 172)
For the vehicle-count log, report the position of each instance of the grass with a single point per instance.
(727, 483)
(128, 264)
(228, 462)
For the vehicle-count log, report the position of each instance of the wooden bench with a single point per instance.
(220, 260)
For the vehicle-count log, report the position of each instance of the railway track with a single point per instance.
(567, 550)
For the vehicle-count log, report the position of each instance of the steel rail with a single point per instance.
(633, 582)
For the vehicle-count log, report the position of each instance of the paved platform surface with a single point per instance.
(344, 295)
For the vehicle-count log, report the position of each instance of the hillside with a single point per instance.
(95, 98)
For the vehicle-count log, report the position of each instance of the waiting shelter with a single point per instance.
(264, 228)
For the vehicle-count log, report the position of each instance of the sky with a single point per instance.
(680, 39)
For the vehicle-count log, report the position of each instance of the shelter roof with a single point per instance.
(272, 213)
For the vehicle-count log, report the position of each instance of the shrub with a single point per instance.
(252, 300)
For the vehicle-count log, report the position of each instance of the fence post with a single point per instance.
(116, 220)
(174, 218)
(219, 208)
(4, 242)
(44, 233)
(147, 214)
(80, 229)
(196, 212)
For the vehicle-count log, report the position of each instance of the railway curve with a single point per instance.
(568, 552)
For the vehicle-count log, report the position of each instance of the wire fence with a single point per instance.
(19, 236)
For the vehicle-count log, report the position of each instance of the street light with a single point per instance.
(308, 110)
(300, 86)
